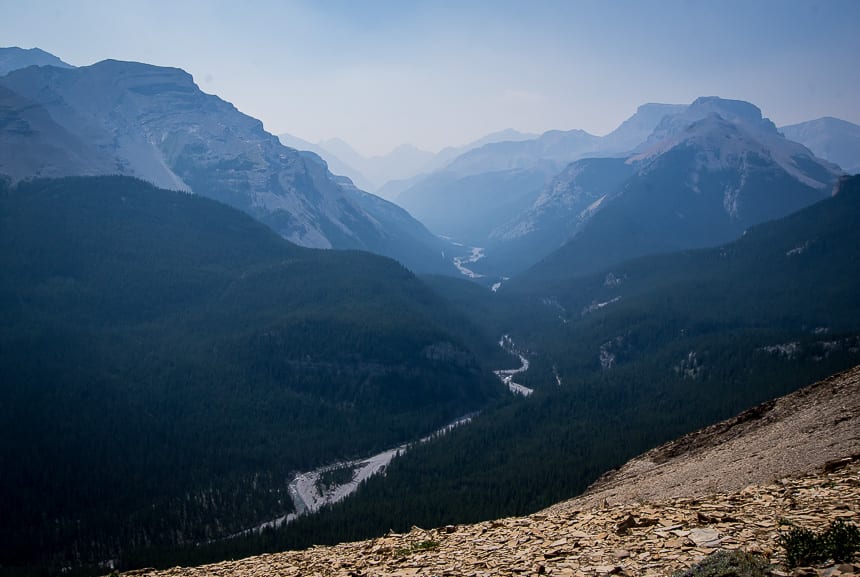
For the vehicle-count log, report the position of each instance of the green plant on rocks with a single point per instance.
(840, 543)
(415, 548)
(728, 564)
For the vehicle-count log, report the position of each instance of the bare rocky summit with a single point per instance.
(734, 485)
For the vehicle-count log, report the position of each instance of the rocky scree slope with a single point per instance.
(734, 485)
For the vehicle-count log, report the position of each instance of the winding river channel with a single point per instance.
(313, 490)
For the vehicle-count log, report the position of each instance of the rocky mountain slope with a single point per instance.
(734, 485)
(787, 437)
(35, 144)
(335, 164)
(156, 124)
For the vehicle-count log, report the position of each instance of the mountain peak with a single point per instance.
(14, 58)
(734, 111)
(146, 72)
(635, 130)
(725, 140)
(650, 107)
(830, 138)
(727, 108)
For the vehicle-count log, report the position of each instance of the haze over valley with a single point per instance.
(315, 272)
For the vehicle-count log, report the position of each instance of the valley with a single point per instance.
(310, 491)
(646, 518)
(218, 343)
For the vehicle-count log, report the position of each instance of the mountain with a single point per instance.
(489, 185)
(169, 363)
(495, 188)
(448, 154)
(342, 149)
(704, 176)
(634, 131)
(557, 214)
(830, 138)
(555, 149)
(387, 175)
(734, 111)
(796, 251)
(788, 437)
(551, 149)
(403, 161)
(155, 123)
(336, 165)
(393, 188)
(34, 145)
(13, 58)
(467, 208)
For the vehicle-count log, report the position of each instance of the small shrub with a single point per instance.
(840, 542)
(728, 564)
(801, 546)
(416, 547)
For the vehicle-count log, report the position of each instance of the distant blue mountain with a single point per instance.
(14, 58)
(830, 138)
(705, 176)
(480, 192)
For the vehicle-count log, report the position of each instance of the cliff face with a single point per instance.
(735, 485)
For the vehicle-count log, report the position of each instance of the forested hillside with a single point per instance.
(168, 362)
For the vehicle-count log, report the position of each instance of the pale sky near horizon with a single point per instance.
(379, 73)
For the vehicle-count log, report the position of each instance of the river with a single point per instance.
(315, 489)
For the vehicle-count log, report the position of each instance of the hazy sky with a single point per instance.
(437, 73)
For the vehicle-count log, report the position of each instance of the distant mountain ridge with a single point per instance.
(702, 177)
(155, 123)
(388, 174)
(830, 138)
(13, 58)
(335, 164)
(489, 186)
